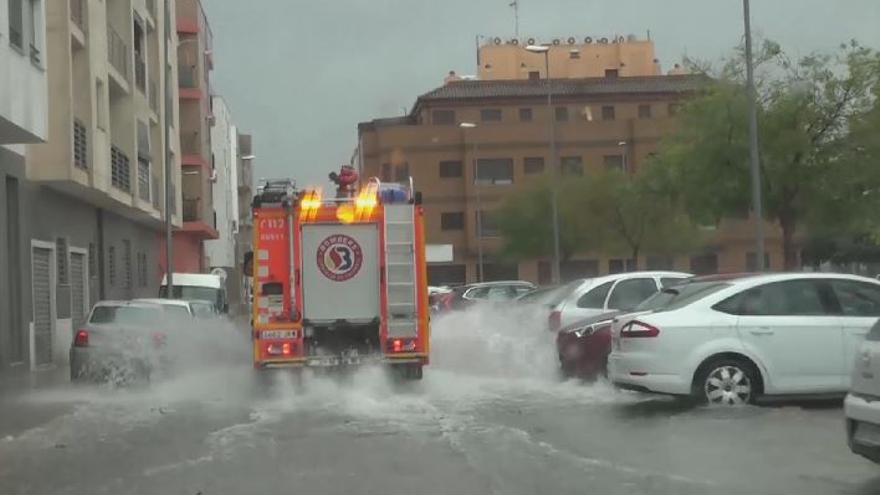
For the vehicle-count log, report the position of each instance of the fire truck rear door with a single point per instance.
(340, 272)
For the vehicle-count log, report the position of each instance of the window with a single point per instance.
(100, 103)
(143, 178)
(671, 281)
(612, 72)
(574, 269)
(857, 298)
(561, 114)
(452, 220)
(439, 275)
(751, 261)
(35, 28)
(525, 114)
(500, 293)
(607, 112)
(704, 264)
(401, 173)
(450, 169)
(533, 165)
(574, 54)
(490, 115)
(385, 173)
(660, 263)
(497, 171)
(16, 23)
(674, 108)
(621, 265)
(119, 169)
(80, 145)
(644, 111)
(789, 298)
(627, 294)
(534, 75)
(443, 117)
(111, 265)
(595, 297)
(485, 224)
(61, 257)
(614, 162)
(571, 165)
(126, 263)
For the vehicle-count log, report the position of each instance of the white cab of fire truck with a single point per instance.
(340, 281)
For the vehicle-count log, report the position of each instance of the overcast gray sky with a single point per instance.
(300, 74)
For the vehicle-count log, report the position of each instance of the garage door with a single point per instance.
(78, 289)
(42, 286)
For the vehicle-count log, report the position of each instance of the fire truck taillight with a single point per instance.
(401, 345)
(285, 349)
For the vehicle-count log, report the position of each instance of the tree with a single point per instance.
(814, 173)
(606, 212)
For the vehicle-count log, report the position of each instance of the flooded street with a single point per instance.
(490, 416)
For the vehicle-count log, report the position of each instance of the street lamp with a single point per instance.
(554, 186)
(753, 143)
(464, 127)
(622, 144)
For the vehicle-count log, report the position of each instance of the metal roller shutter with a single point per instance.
(77, 289)
(42, 287)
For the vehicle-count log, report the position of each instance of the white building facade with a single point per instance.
(224, 153)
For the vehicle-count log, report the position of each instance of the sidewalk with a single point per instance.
(18, 389)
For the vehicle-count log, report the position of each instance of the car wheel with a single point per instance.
(726, 382)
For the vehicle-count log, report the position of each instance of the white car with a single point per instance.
(584, 298)
(730, 339)
(862, 404)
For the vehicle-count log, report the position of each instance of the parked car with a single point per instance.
(731, 339)
(173, 307)
(862, 404)
(204, 309)
(584, 298)
(121, 341)
(584, 346)
(466, 295)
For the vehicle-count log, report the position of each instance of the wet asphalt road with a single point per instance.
(502, 424)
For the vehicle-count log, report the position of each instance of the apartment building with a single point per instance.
(93, 203)
(220, 252)
(610, 113)
(245, 234)
(23, 120)
(195, 60)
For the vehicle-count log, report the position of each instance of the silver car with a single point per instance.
(862, 404)
(121, 342)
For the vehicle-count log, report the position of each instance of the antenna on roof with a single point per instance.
(515, 5)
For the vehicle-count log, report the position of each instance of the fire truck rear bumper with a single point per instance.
(337, 361)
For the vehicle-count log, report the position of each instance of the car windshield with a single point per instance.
(679, 296)
(125, 315)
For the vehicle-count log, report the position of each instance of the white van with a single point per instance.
(198, 287)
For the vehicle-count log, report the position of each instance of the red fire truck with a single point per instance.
(339, 281)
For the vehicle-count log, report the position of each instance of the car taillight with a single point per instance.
(447, 300)
(81, 339)
(638, 329)
(555, 320)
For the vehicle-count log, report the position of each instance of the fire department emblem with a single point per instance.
(340, 257)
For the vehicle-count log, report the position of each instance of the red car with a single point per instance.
(584, 346)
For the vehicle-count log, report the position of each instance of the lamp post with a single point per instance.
(465, 126)
(554, 186)
(622, 145)
(169, 114)
(754, 162)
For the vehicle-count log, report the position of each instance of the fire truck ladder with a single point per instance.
(400, 273)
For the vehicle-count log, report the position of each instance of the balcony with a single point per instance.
(155, 192)
(143, 179)
(120, 169)
(117, 52)
(188, 82)
(78, 14)
(193, 221)
(192, 210)
(140, 74)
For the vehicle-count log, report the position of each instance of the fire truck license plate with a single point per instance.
(278, 334)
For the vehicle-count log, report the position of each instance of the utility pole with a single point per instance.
(169, 169)
(515, 5)
(754, 162)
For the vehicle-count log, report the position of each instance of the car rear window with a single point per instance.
(680, 296)
(177, 311)
(131, 315)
